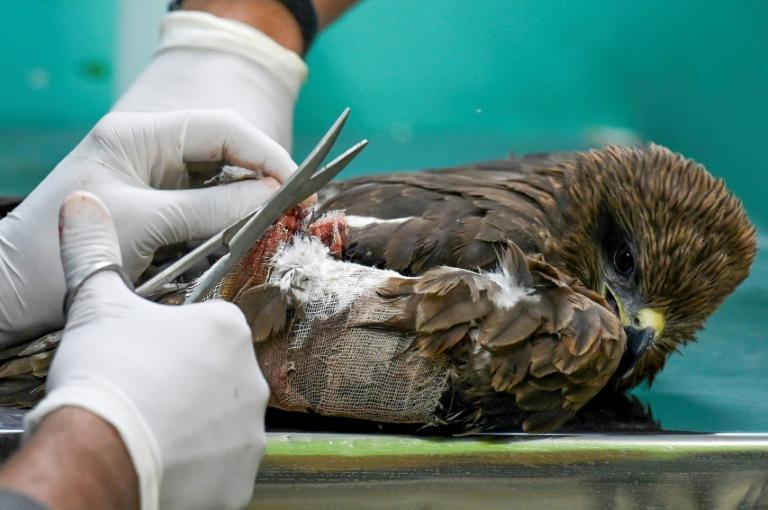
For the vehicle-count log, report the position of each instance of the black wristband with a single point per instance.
(302, 11)
(305, 15)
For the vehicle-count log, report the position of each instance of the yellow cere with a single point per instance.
(651, 318)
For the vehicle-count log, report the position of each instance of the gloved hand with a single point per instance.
(180, 384)
(121, 160)
(205, 61)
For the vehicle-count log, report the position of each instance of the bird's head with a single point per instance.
(662, 239)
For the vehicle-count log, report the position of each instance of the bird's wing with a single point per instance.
(413, 222)
(265, 308)
(23, 370)
(526, 331)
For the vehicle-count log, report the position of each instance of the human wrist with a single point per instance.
(268, 16)
(75, 459)
(112, 406)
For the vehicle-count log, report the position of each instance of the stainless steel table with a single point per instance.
(514, 471)
(577, 471)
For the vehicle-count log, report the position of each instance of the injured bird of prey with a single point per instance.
(500, 296)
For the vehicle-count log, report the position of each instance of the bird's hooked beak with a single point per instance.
(642, 327)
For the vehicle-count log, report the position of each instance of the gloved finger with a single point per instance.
(155, 147)
(195, 214)
(223, 135)
(87, 240)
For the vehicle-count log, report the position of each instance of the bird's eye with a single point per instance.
(623, 260)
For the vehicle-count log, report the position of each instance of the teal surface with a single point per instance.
(443, 82)
(57, 79)
(57, 62)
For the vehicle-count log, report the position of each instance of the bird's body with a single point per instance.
(411, 222)
(653, 232)
(505, 294)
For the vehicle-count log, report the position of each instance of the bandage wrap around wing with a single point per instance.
(325, 350)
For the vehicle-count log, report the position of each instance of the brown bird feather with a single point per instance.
(525, 332)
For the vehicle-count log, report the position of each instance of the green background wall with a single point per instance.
(551, 74)
(440, 82)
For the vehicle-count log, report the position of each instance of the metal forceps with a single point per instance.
(241, 236)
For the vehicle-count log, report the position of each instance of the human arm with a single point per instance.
(235, 54)
(76, 460)
(272, 17)
(179, 385)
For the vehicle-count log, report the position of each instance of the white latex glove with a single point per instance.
(180, 384)
(209, 62)
(132, 161)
